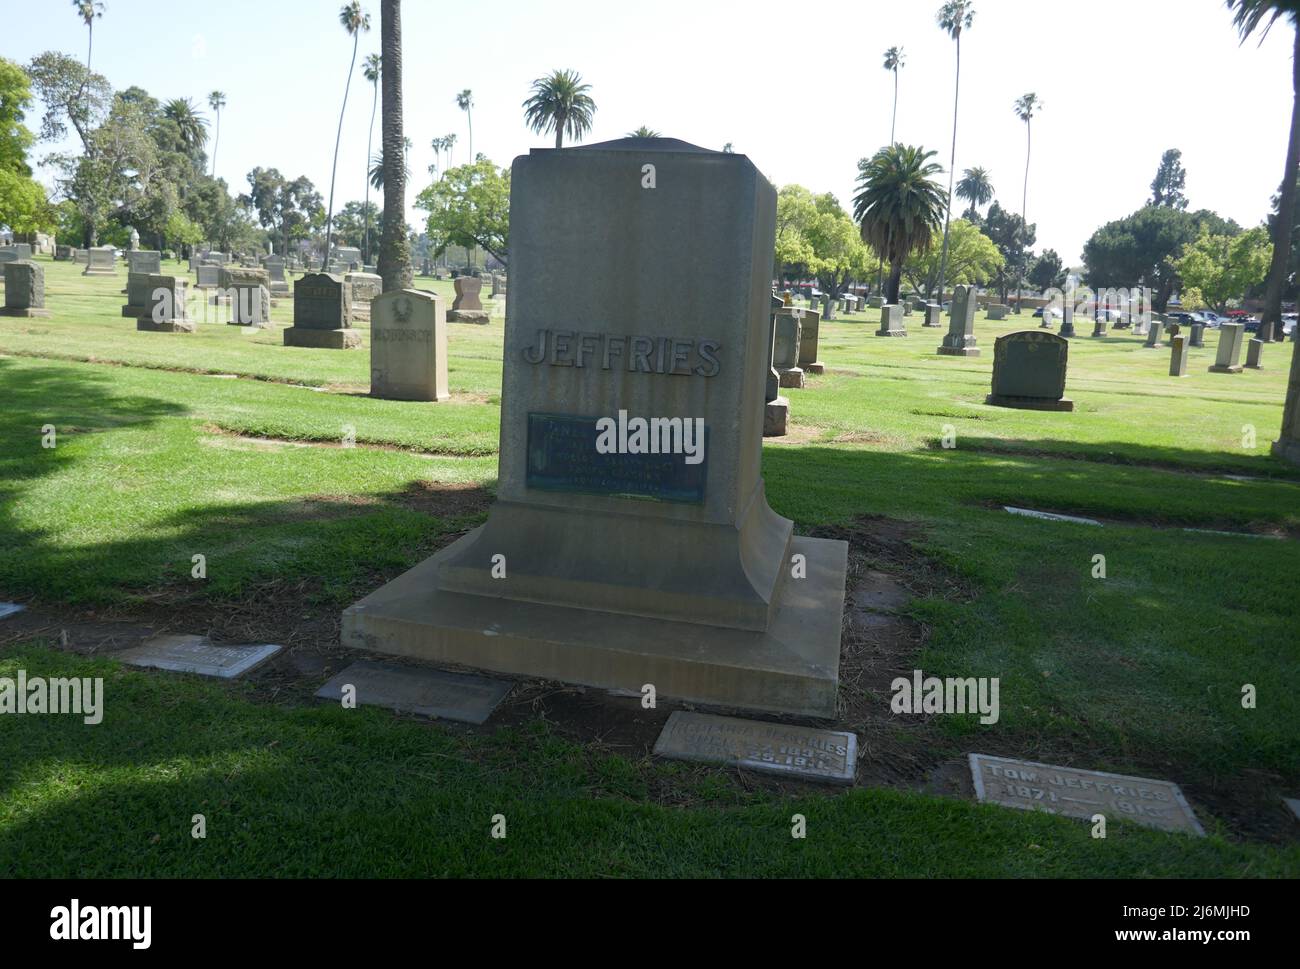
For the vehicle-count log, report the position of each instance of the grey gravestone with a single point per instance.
(785, 349)
(891, 321)
(63, 254)
(24, 290)
(408, 347)
(788, 750)
(423, 692)
(365, 288)
(137, 294)
(322, 314)
(1178, 356)
(1029, 371)
(876, 302)
(626, 567)
(933, 315)
(776, 409)
(208, 275)
(144, 261)
(274, 266)
(166, 311)
(1067, 318)
(1229, 356)
(1255, 355)
(998, 312)
(8, 254)
(809, 338)
(1153, 337)
(80, 257)
(1198, 335)
(1099, 328)
(1082, 793)
(247, 290)
(195, 654)
(467, 307)
(101, 261)
(960, 341)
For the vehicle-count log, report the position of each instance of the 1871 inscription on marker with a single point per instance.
(562, 456)
(1082, 793)
(772, 748)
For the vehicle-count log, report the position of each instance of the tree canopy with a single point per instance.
(469, 206)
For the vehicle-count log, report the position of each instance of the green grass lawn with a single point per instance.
(158, 458)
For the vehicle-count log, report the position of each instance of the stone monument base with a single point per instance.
(249, 326)
(302, 336)
(1217, 369)
(959, 351)
(98, 272)
(776, 414)
(479, 317)
(818, 368)
(792, 379)
(792, 667)
(1030, 403)
(27, 312)
(898, 332)
(147, 325)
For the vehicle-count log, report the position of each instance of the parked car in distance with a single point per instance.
(1056, 314)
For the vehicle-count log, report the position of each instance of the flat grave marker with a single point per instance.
(196, 654)
(427, 693)
(787, 750)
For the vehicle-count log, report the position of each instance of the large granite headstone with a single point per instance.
(998, 311)
(166, 310)
(247, 290)
(322, 314)
(144, 261)
(1029, 369)
(1229, 355)
(24, 290)
(891, 321)
(960, 341)
(408, 346)
(101, 261)
(603, 562)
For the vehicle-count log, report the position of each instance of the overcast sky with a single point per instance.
(805, 96)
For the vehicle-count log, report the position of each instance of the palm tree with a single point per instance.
(560, 103)
(377, 167)
(449, 143)
(394, 247)
(371, 71)
(1026, 106)
(1248, 17)
(216, 101)
(89, 11)
(189, 123)
(975, 188)
(644, 132)
(894, 60)
(900, 206)
(465, 101)
(954, 17)
(355, 21)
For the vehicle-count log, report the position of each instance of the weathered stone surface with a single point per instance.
(1178, 357)
(960, 341)
(599, 587)
(165, 309)
(137, 295)
(144, 261)
(423, 692)
(1255, 355)
(1198, 335)
(1229, 355)
(365, 288)
(24, 290)
(891, 321)
(208, 275)
(933, 316)
(1067, 317)
(776, 417)
(322, 314)
(467, 299)
(196, 654)
(806, 753)
(408, 347)
(1082, 794)
(998, 311)
(247, 291)
(1154, 335)
(1029, 369)
(809, 333)
(101, 261)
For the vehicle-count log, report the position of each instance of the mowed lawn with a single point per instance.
(226, 444)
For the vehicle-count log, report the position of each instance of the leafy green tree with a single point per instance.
(191, 126)
(973, 259)
(795, 211)
(894, 60)
(976, 189)
(838, 253)
(1048, 271)
(288, 210)
(560, 102)
(356, 22)
(955, 18)
(1171, 179)
(899, 207)
(354, 220)
(23, 205)
(1014, 240)
(70, 95)
(15, 137)
(470, 206)
(395, 245)
(1223, 267)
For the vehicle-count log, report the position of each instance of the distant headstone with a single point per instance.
(63, 254)
(24, 290)
(1178, 356)
(1153, 336)
(1255, 355)
(1029, 369)
(144, 261)
(467, 307)
(278, 285)
(101, 261)
(1099, 327)
(787, 750)
(1198, 335)
(166, 308)
(247, 290)
(785, 349)
(196, 654)
(960, 341)
(891, 321)
(9, 254)
(933, 315)
(1067, 318)
(137, 295)
(1082, 793)
(208, 275)
(418, 691)
(365, 287)
(408, 346)
(876, 302)
(322, 314)
(809, 332)
(998, 311)
(1229, 356)
(80, 257)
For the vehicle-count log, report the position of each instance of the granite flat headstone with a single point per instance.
(787, 750)
(423, 692)
(196, 654)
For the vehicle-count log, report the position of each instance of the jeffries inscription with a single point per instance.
(635, 354)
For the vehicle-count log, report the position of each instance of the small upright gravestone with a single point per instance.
(24, 290)
(408, 346)
(960, 341)
(365, 288)
(1198, 335)
(1178, 356)
(322, 314)
(1099, 327)
(247, 290)
(1029, 371)
(1229, 356)
(274, 266)
(776, 409)
(137, 294)
(1153, 337)
(809, 330)
(144, 261)
(785, 349)
(891, 321)
(63, 253)
(876, 302)
(1067, 318)
(101, 261)
(1255, 355)
(998, 311)
(166, 310)
(933, 316)
(467, 307)
(208, 275)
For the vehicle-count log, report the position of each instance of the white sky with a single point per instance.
(805, 95)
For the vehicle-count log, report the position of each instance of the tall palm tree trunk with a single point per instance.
(370, 141)
(952, 172)
(394, 248)
(559, 131)
(469, 117)
(1024, 212)
(338, 140)
(893, 123)
(1272, 326)
(216, 143)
